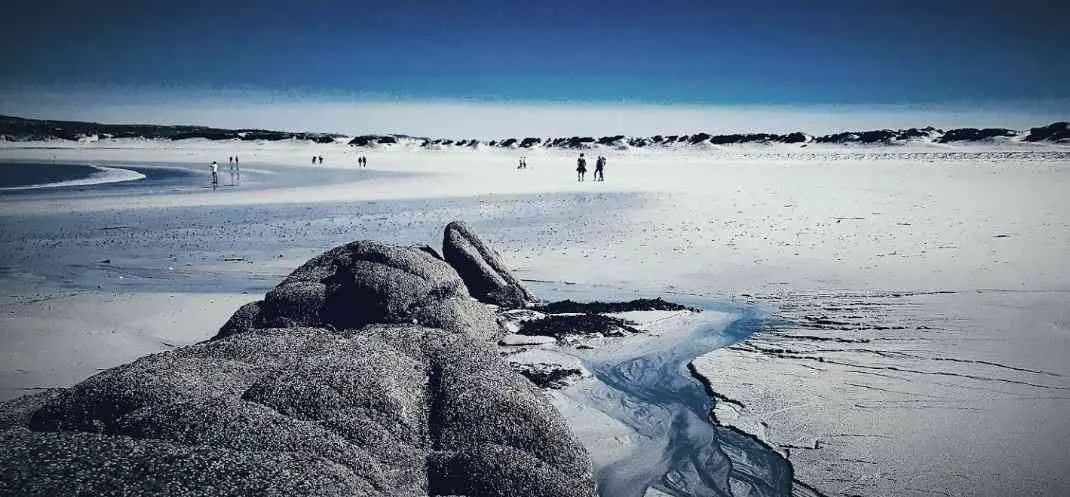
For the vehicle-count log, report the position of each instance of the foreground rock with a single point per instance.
(482, 269)
(388, 410)
(368, 371)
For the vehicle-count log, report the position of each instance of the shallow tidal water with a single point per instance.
(649, 388)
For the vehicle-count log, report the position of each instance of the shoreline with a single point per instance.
(103, 175)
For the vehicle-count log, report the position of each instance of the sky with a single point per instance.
(513, 67)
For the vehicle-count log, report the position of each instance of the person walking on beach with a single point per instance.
(321, 160)
(581, 168)
(599, 169)
(215, 174)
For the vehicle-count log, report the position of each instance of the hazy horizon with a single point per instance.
(458, 118)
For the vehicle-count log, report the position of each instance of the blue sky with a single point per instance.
(827, 55)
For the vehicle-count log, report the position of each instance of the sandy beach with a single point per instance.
(918, 295)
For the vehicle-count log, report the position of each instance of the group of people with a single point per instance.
(599, 168)
(523, 163)
(232, 167)
(362, 161)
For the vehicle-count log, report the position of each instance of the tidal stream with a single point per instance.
(679, 449)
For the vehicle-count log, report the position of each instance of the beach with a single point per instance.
(916, 295)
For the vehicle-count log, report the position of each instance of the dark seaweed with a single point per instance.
(555, 378)
(603, 307)
(558, 326)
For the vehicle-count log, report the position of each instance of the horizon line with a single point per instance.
(541, 136)
(326, 113)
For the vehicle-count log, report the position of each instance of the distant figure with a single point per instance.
(313, 160)
(232, 168)
(581, 168)
(230, 159)
(237, 169)
(215, 174)
(599, 169)
(321, 159)
(363, 161)
(524, 162)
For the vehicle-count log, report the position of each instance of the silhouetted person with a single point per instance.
(581, 168)
(321, 159)
(313, 160)
(599, 169)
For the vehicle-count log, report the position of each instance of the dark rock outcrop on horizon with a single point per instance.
(1055, 132)
(481, 268)
(19, 129)
(310, 392)
(886, 136)
(974, 134)
(370, 140)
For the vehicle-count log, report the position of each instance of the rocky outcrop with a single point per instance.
(20, 129)
(367, 282)
(881, 136)
(487, 277)
(370, 140)
(387, 410)
(974, 134)
(1054, 132)
(326, 387)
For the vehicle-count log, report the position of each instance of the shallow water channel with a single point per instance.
(675, 447)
